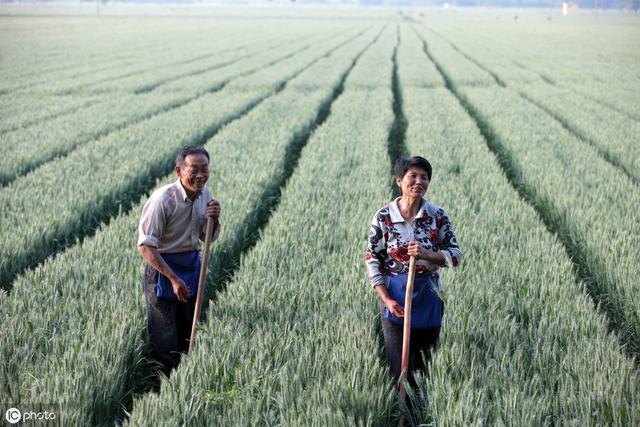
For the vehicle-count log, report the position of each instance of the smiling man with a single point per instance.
(172, 223)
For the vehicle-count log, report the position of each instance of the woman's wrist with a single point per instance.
(434, 257)
(428, 255)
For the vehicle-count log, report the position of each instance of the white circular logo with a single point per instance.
(13, 415)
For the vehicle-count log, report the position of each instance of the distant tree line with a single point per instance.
(632, 4)
(585, 4)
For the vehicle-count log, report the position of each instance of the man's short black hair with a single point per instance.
(190, 149)
(404, 163)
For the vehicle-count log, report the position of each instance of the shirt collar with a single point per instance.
(183, 192)
(395, 214)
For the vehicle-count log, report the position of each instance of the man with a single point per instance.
(173, 220)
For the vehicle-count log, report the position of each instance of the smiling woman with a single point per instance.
(410, 226)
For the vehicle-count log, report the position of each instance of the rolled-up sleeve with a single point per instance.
(447, 236)
(152, 223)
(373, 256)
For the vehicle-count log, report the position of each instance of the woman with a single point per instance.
(410, 226)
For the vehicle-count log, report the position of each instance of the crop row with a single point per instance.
(465, 72)
(113, 55)
(64, 199)
(150, 78)
(509, 66)
(571, 53)
(30, 147)
(590, 204)
(558, 57)
(22, 111)
(614, 135)
(35, 106)
(292, 339)
(416, 69)
(23, 108)
(87, 349)
(620, 98)
(611, 132)
(33, 63)
(594, 213)
(520, 336)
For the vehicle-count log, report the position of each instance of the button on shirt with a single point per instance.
(390, 235)
(173, 223)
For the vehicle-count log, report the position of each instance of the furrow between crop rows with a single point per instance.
(464, 72)
(543, 76)
(129, 162)
(615, 144)
(399, 128)
(148, 87)
(584, 94)
(87, 69)
(140, 83)
(611, 99)
(136, 66)
(58, 60)
(101, 341)
(497, 78)
(608, 104)
(32, 115)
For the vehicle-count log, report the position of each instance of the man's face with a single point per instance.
(194, 173)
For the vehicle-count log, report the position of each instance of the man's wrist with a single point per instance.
(173, 277)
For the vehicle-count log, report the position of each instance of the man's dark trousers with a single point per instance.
(168, 322)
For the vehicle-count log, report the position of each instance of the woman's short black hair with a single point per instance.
(404, 163)
(190, 149)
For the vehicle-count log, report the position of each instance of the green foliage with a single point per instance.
(552, 345)
(530, 124)
(109, 175)
(93, 331)
(520, 337)
(292, 337)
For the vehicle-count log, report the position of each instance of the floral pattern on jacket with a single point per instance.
(390, 235)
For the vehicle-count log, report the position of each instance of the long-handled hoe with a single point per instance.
(201, 280)
(406, 333)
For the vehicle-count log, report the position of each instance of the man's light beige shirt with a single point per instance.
(172, 222)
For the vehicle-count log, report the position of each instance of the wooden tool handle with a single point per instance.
(201, 281)
(406, 335)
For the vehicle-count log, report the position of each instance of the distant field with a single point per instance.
(530, 119)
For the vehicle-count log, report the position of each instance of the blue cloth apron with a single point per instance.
(426, 306)
(187, 266)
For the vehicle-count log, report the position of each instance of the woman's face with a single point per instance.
(414, 183)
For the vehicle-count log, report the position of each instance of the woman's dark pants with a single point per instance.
(168, 322)
(421, 342)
